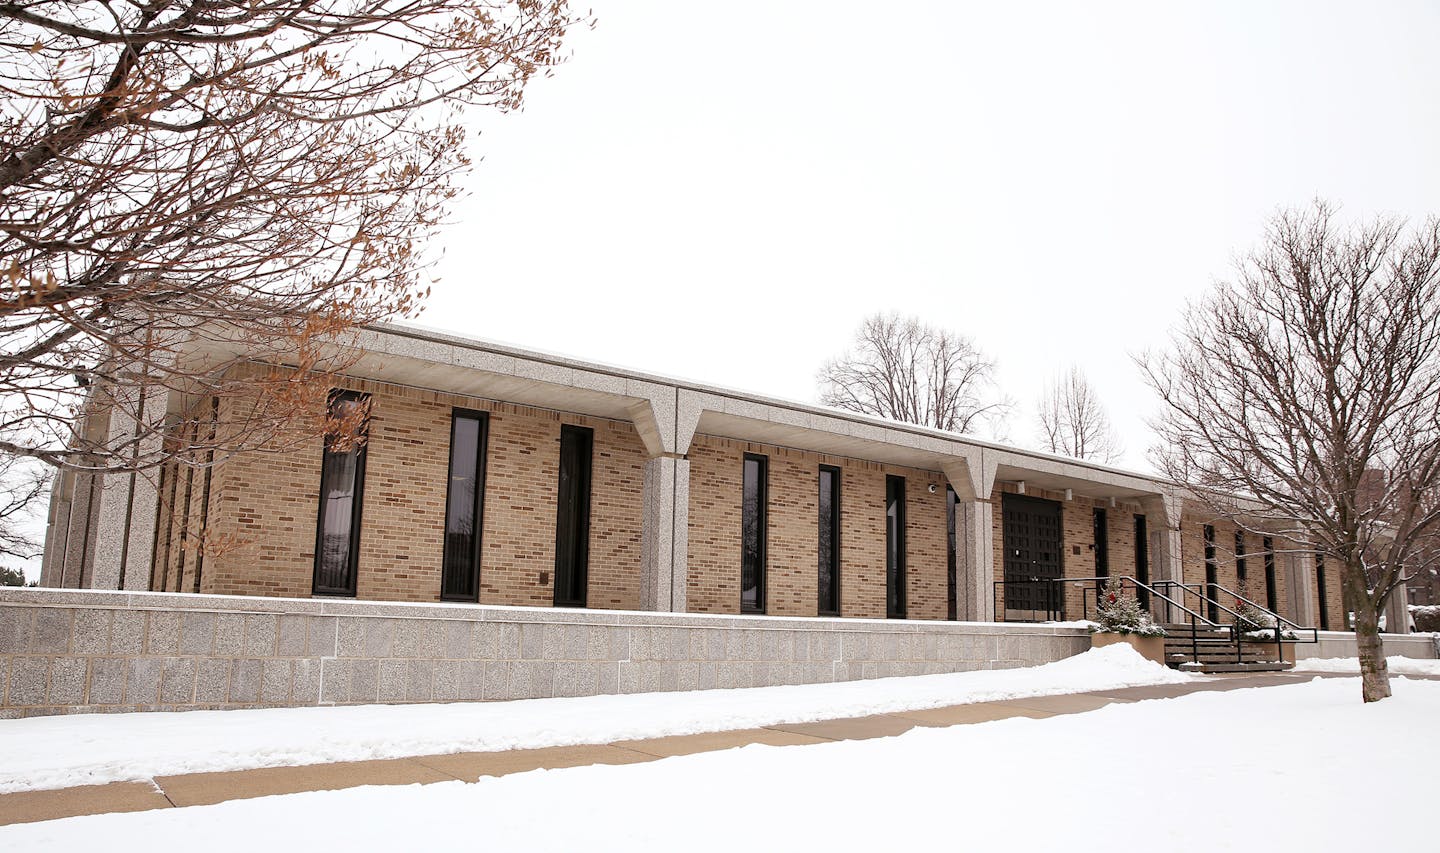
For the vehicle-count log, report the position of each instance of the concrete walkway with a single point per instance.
(195, 789)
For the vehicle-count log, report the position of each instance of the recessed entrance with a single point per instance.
(1032, 546)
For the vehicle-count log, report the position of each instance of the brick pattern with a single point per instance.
(792, 565)
(265, 505)
(78, 652)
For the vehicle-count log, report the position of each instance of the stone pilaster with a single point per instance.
(124, 533)
(974, 523)
(664, 534)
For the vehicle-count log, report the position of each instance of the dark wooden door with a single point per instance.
(1032, 546)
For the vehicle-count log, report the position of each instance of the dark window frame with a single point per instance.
(952, 604)
(834, 567)
(1142, 557)
(362, 452)
(1320, 589)
(478, 504)
(1242, 573)
(896, 600)
(1100, 533)
(1212, 575)
(759, 525)
(577, 575)
(1272, 597)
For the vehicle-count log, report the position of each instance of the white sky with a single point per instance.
(722, 192)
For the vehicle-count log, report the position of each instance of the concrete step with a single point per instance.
(1267, 666)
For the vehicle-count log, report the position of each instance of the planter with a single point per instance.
(1152, 648)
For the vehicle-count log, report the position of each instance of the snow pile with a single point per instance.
(1397, 665)
(88, 749)
(1016, 784)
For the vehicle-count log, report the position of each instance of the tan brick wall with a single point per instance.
(792, 570)
(267, 502)
(1192, 536)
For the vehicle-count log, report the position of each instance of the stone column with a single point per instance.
(972, 476)
(664, 534)
(1300, 587)
(975, 560)
(124, 533)
(1397, 611)
(57, 527)
(1162, 521)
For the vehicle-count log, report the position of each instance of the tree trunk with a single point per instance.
(1374, 674)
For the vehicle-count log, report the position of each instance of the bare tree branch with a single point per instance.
(248, 177)
(1310, 387)
(1072, 421)
(907, 371)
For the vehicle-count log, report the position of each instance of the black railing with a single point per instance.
(1054, 599)
(1277, 624)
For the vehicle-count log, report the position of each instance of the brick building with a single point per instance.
(503, 477)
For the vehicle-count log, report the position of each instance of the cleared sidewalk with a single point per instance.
(206, 788)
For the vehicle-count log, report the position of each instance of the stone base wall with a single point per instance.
(80, 651)
(1341, 644)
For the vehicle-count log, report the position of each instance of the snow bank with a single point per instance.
(1285, 758)
(1397, 665)
(57, 752)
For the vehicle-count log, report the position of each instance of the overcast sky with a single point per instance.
(722, 191)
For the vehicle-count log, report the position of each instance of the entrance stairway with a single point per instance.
(1213, 650)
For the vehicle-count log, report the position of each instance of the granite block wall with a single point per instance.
(78, 651)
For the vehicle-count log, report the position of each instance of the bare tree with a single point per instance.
(1309, 389)
(253, 176)
(905, 370)
(1072, 420)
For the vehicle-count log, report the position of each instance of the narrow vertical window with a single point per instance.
(952, 605)
(1272, 600)
(464, 507)
(752, 534)
(572, 516)
(342, 485)
(895, 547)
(829, 544)
(1142, 558)
(1240, 569)
(1320, 589)
(1212, 576)
(1102, 544)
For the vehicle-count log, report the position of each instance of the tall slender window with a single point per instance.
(342, 486)
(1320, 589)
(1142, 558)
(1272, 600)
(952, 604)
(1212, 575)
(895, 547)
(1240, 570)
(464, 507)
(1102, 544)
(829, 544)
(572, 516)
(752, 534)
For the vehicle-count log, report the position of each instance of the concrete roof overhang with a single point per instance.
(668, 412)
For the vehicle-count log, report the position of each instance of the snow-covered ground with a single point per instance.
(1397, 665)
(56, 752)
(1271, 768)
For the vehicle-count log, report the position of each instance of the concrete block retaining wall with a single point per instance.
(1341, 644)
(67, 651)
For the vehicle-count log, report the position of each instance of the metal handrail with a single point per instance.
(1195, 618)
(1267, 611)
(1237, 634)
(1167, 599)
